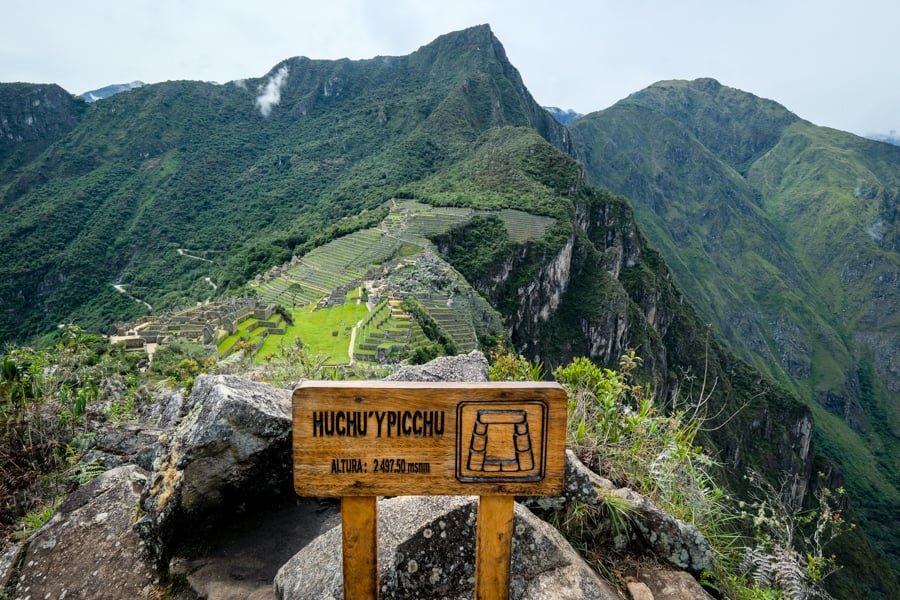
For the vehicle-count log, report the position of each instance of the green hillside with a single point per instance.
(591, 286)
(435, 183)
(198, 166)
(784, 236)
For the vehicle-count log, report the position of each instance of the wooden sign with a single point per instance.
(359, 440)
(399, 438)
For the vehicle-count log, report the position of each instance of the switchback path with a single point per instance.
(121, 289)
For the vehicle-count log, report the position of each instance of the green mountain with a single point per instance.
(784, 236)
(229, 172)
(147, 200)
(32, 117)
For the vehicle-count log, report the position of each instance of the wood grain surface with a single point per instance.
(359, 524)
(493, 547)
(398, 438)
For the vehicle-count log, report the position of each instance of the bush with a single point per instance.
(181, 361)
(614, 426)
(424, 353)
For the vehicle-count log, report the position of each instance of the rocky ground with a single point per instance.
(198, 503)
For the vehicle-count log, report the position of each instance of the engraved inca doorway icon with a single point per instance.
(501, 441)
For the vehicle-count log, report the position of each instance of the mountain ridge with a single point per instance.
(746, 200)
(122, 146)
(254, 171)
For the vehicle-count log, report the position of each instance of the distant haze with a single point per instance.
(832, 62)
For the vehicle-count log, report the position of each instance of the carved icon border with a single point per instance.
(462, 442)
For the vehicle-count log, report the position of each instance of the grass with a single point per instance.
(242, 332)
(316, 329)
(37, 518)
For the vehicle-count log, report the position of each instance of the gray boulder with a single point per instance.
(667, 584)
(426, 549)
(128, 443)
(671, 540)
(88, 549)
(9, 560)
(461, 368)
(233, 445)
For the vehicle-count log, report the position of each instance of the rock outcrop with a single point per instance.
(462, 368)
(655, 582)
(233, 445)
(671, 540)
(426, 549)
(228, 443)
(88, 549)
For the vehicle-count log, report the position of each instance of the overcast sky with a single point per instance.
(833, 62)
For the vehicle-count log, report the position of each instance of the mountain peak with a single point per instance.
(109, 90)
(563, 117)
(479, 37)
(702, 105)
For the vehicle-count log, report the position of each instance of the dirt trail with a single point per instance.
(184, 252)
(121, 289)
(353, 336)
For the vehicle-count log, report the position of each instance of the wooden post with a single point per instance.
(493, 547)
(359, 522)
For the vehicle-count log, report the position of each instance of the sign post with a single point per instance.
(360, 440)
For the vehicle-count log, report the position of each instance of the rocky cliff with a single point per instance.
(32, 117)
(593, 287)
(211, 519)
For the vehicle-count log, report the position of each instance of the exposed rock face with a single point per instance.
(667, 584)
(88, 549)
(234, 444)
(126, 444)
(9, 560)
(35, 113)
(613, 232)
(241, 556)
(461, 368)
(427, 550)
(539, 299)
(673, 541)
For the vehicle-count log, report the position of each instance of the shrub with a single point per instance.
(181, 361)
(616, 428)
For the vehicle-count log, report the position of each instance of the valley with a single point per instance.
(783, 236)
(349, 300)
(396, 209)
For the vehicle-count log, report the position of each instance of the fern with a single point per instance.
(781, 569)
(790, 576)
(84, 473)
(757, 565)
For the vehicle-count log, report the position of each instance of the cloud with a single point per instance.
(270, 94)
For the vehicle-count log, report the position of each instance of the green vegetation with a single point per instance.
(325, 331)
(48, 398)
(479, 245)
(432, 329)
(447, 317)
(762, 548)
(784, 237)
(195, 165)
(181, 361)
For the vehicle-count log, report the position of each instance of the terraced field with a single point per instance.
(325, 331)
(454, 317)
(315, 283)
(249, 334)
(287, 293)
(386, 332)
(523, 226)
